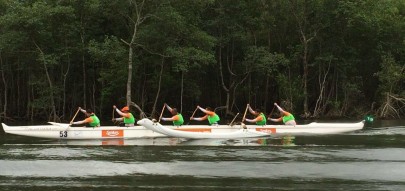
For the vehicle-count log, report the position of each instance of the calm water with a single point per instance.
(370, 159)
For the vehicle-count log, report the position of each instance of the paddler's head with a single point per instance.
(125, 109)
(174, 111)
(89, 112)
(258, 111)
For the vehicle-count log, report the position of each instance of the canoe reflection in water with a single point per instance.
(287, 140)
(278, 141)
(121, 142)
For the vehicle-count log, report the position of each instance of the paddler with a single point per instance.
(260, 117)
(126, 116)
(177, 118)
(91, 120)
(212, 117)
(286, 117)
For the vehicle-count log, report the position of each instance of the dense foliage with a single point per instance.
(318, 58)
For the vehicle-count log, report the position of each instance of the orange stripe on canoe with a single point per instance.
(266, 130)
(201, 130)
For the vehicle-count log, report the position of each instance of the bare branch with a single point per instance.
(150, 51)
(124, 41)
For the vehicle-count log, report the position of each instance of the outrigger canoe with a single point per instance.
(250, 131)
(150, 129)
(65, 131)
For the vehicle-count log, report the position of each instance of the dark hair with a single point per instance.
(209, 108)
(89, 111)
(174, 111)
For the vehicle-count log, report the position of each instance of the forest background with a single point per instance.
(317, 58)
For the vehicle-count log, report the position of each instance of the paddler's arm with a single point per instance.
(168, 108)
(174, 118)
(258, 118)
(279, 108)
(118, 119)
(82, 110)
(275, 120)
(203, 110)
(78, 122)
(199, 118)
(87, 120)
(121, 113)
(167, 119)
(251, 110)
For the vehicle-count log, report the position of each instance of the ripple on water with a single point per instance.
(381, 171)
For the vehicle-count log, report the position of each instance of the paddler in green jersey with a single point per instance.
(286, 117)
(91, 120)
(260, 117)
(177, 118)
(212, 117)
(126, 116)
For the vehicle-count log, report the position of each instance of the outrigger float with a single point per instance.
(152, 129)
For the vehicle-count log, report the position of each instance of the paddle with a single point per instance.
(192, 115)
(78, 109)
(113, 117)
(230, 124)
(272, 111)
(244, 115)
(161, 113)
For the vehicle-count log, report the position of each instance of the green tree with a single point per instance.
(392, 77)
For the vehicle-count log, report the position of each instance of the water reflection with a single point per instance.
(121, 142)
(277, 141)
(287, 140)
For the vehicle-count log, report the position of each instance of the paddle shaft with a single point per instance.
(192, 115)
(75, 115)
(194, 112)
(244, 115)
(233, 119)
(161, 113)
(272, 111)
(113, 116)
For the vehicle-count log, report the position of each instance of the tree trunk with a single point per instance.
(302, 25)
(129, 80)
(52, 99)
(182, 92)
(224, 87)
(4, 112)
(305, 77)
(136, 22)
(64, 85)
(32, 107)
(159, 87)
(322, 85)
(84, 74)
(266, 93)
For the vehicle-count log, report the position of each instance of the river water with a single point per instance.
(369, 159)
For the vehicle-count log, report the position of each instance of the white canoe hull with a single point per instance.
(250, 131)
(63, 131)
